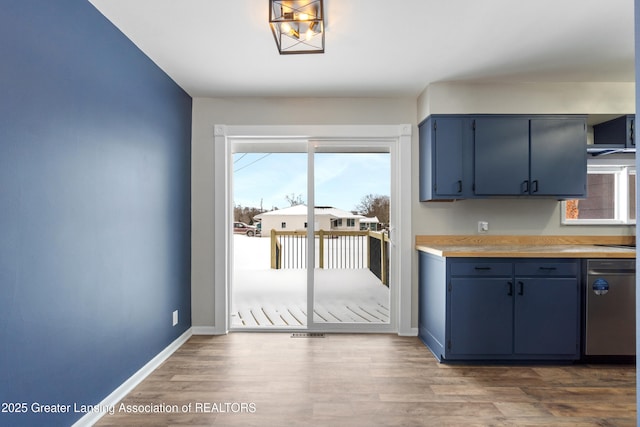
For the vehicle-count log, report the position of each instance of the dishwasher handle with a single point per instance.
(616, 272)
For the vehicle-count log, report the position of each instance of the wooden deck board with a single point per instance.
(357, 311)
(324, 315)
(258, 314)
(293, 315)
(247, 318)
(274, 315)
(344, 314)
(277, 298)
(369, 313)
(298, 312)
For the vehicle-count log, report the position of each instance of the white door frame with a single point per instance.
(399, 135)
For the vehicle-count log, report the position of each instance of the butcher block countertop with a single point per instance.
(492, 246)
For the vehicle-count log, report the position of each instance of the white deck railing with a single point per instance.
(334, 250)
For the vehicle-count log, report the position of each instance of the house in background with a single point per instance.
(327, 218)
(371, 224)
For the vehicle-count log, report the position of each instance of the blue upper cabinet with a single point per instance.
(525, 156)
(501, 156)
(558, 157)
(466, 156)
(446, 144)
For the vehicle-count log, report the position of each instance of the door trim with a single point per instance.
(399, 135)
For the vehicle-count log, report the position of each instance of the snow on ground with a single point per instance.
(264, 296)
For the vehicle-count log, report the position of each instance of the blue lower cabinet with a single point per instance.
(481, 313)
(545, 316)
(499, 309)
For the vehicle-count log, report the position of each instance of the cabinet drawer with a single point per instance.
(551, 268)
(491, 269)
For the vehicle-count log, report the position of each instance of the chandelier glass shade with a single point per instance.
(297, 25)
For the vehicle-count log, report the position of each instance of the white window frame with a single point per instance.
(621, 169)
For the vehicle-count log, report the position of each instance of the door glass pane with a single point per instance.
(269, 282)
(351, 276)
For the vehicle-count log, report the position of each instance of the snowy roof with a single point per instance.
(301, 210)
(373, 220)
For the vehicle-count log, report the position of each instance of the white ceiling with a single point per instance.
(375, 48)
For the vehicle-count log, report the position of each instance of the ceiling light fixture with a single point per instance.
(297, 25)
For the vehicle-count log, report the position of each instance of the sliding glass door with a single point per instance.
(269, 279)
(352, 214)
(311, 245)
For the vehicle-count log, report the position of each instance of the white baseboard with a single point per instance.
(207, 330)
(126, 387)
(212, 330)
(412, 332)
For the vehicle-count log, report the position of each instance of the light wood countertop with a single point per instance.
(491, 246)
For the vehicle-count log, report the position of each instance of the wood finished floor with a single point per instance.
(370, 380)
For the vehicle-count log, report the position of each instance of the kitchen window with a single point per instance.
(611, 196)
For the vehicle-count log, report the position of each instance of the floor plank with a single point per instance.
(369, 380)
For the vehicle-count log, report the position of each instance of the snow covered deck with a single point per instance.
(278, 297)
(262, 296)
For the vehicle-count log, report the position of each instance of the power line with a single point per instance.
(249, 164)
(239, 158)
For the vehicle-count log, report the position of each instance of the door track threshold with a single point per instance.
(307, 335)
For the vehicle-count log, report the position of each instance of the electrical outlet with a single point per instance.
(483, 226)
(175, 317)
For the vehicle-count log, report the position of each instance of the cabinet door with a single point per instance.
(447, 137)
(546, 316)
(481, 322)
(559, 157)
(501, 157)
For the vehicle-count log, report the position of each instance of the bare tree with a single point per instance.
(375, 205)
(245, 214)
(294, 200)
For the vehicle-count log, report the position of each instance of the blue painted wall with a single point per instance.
(94, 207)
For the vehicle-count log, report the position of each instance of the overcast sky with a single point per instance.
(342, 180)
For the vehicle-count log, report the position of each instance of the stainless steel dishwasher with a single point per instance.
(610, 307)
